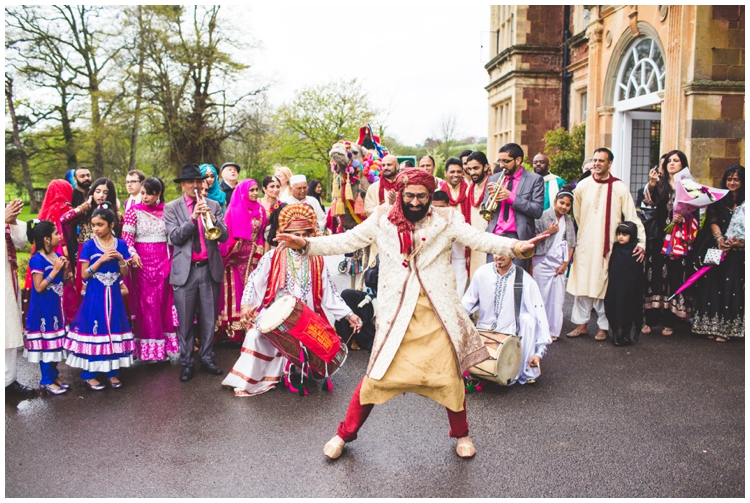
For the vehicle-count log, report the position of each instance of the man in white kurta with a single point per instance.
(424, 339)
(15, 236)
(479, 170)
(596, 234)
(491, 292)
(260, 365)
(298, 184)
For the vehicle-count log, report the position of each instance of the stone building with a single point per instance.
(645, 79)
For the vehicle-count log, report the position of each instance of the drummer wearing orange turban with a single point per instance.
(280, 272)
(424, 340)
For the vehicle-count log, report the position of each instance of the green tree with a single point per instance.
(318, 117)
(566, 151)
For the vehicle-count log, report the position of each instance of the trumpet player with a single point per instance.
(195, 226)
(520, 199)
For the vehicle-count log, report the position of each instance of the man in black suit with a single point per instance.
(520, 200)
(197, 270)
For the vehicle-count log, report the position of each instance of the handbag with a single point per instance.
(713, 256)
(650, 225)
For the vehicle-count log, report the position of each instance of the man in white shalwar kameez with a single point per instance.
(600, 203)
(15, 238)
(260, 365)
(491, 291)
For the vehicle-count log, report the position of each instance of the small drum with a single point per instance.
(505, 359)
(289, 324)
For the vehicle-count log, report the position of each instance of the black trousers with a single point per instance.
(366, 335)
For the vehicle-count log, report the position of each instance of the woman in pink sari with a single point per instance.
(245, 221)
(151, 301)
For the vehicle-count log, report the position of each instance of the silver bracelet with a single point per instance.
(48, 280)
(89, 271)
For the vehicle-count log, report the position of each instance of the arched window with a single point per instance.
(641, 70)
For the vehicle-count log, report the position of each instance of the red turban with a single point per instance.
(410, 176)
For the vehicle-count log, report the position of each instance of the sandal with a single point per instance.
(667, 331)
(720, 339)
(645, 329)
(466, 448)
(576, 333)
(334, 448)
(601, 335)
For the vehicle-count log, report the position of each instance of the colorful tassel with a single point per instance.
(336, 188)
(349, 194)
(359, 206)
(339, 208)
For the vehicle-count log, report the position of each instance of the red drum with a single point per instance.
(292, 327)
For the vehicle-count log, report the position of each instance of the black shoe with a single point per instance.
(211, 368)
(187, 373)
(18, 389)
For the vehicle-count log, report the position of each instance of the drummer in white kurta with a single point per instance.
(492, 293)
(260, 365)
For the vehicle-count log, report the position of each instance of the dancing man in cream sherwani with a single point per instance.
(424, 340)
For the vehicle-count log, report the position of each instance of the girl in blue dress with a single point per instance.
(45, 322)
(100, 339)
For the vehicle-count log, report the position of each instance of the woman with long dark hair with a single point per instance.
(720, 292)
(315, 189)
(76, 226)
(151, 300)
(666, 273)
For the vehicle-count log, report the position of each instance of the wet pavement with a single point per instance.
(662, 418)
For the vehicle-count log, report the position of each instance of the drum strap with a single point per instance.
(517, 297)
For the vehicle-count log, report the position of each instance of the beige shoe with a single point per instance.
(334, 448)
(465, 448)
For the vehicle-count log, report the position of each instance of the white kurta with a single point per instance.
(260, 365)
(534, 333)
(315, 205)
(478, 258)
(589, 274)
(372, 198)
(551, 285)
(13, 318)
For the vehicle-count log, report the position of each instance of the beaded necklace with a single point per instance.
(501, 286)
(298, 271)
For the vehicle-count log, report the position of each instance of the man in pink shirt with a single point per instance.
(197, 270)
(520, 200)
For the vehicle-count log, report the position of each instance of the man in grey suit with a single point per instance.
(520, 200)
(197, 270)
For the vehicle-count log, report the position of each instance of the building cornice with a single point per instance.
(530, 74)
(518, 50)
(581, 63)
(714, 87)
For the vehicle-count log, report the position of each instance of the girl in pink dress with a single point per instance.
(151, 301)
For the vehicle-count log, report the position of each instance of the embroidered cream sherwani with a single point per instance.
(399, 286)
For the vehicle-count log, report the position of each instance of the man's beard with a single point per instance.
(415, 216)
(480, 180)
(85, 185)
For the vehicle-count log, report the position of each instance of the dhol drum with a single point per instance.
(299, 333)
(505, 359)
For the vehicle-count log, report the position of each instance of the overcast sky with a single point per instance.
(418, 62)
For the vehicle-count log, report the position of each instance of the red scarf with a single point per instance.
(476, 203)
(383, 186)
(277, 280)
(409, 176)
(12, 258)
(607, 221)
(463, 200)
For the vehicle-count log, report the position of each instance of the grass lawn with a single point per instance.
(24, 254)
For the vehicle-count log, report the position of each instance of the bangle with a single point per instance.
(48, 280)
(89, 271)
(123, 265)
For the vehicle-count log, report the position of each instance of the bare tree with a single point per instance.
(17, 143)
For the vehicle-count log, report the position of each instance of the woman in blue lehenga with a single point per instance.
(100, 339)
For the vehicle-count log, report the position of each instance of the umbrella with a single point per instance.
(692, 279)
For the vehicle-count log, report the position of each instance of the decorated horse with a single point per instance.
(355, 168)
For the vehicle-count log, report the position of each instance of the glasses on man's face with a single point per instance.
(505, 161)
(423, 197)
(128, 182)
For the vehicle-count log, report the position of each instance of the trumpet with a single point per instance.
(212, 232)
(487, 211)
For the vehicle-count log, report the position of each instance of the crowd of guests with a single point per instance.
(111, 283)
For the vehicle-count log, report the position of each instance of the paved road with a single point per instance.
(662, 418)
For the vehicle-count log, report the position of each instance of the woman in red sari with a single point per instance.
(245, 220)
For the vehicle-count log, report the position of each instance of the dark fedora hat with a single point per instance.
(190, 172)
